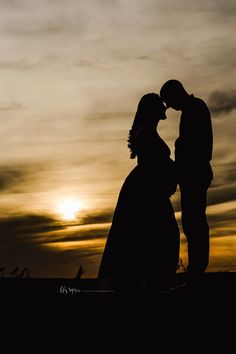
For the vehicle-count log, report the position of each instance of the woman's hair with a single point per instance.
(147, 110)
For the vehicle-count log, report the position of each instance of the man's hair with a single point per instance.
(171, 88)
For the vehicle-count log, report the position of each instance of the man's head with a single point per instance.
(174, 94)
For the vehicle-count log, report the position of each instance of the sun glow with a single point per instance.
(69, 208)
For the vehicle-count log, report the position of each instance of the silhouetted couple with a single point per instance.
(142, 248)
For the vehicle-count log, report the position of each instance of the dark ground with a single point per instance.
(83, 303)
(217, 285)
(177, 317)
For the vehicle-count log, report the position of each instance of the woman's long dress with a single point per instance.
(142, 247)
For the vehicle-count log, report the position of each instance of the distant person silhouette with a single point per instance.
(193, 153)
(80, 272)
(14, 272)
(142, 248)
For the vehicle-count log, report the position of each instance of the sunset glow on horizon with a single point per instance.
(69, 209)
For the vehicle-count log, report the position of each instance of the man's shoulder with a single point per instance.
(198, 102)
(197, 106)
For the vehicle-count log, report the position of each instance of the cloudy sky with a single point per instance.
(72, 73)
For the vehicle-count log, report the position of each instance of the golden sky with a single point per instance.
(72, 73)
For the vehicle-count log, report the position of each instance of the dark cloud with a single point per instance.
(78, 235)
(223, 187)
(10, 176)
(104, 216)
(222, 102)
(11, 106)
(19, 242)
(220, 7)
(32, 241)
(230, 176)
(222, 224)
(11, 4)
(221, 195)
(15, 178)
(28, 225)
(223, 8)
(224, 174)
(33, 224)
(19, 65)
(47, 18)
(44, 30)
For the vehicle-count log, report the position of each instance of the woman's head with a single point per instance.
(150, 110)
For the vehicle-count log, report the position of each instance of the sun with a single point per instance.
(69, 208)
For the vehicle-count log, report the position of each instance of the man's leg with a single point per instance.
(195, 227)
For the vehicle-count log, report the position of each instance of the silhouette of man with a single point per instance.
(193, 153)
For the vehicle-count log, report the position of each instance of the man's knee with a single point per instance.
(195, 224)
